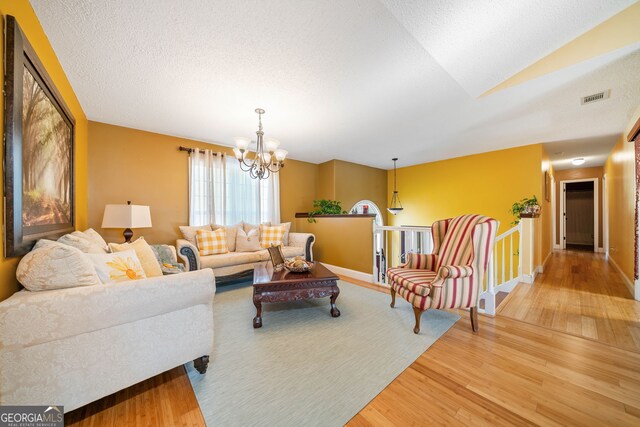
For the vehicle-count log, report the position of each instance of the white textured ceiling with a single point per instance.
(356, 80)
(593, 150)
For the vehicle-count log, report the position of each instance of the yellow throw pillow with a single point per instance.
(122, 266)
(145, 254)
(271, 235)
(212, 242)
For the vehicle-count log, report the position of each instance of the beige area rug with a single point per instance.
(304, 367)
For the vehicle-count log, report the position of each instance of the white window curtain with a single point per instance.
(221, 193)
(206, 187)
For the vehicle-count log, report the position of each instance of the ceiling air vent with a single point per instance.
(595, 97)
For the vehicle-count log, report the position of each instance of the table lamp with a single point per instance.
(126, 216)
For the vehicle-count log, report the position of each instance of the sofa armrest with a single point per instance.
(30, 318)
(455, 271)
(189, 254)
(303, 240)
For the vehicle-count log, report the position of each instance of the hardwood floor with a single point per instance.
(164, 400)
(582, 294)
(509, 373)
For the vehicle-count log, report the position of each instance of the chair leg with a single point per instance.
(393, 297)
(474, 318)
(418, 313)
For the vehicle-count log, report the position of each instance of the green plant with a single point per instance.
(522, 206)
(325, 207)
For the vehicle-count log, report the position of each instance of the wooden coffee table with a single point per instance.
(282, 286)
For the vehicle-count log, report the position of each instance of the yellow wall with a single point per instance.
(354, 182)
(620, 176)
(344, 242)
(487, 183)
(579, 173)
(24, 14)
(326, 185)
(147, 168)
(297, 189)
(546, 224)
(349, 183)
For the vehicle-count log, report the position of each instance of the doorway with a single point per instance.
(579, 213)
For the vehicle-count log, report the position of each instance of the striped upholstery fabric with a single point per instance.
(457, 248)
(421, 261)
(462, 247)
(420, 301)
(417, 281)
(438, 230)
(455, 271)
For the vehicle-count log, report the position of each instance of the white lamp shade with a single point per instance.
(126, 216)
(281, 154)
(241, 142)
(271, 144)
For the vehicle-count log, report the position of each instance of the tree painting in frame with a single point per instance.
(39, 150)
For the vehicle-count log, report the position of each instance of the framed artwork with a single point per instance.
(277, 258)
(547, 186)
(39, 150)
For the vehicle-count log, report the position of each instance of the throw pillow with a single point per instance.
(271, 235)
(247, 242)
(189, 232)
(145, 255)
(166, 256)
(287, 228)
(231, 231)
(117, 267)
(248, 227)
(79, 240)
(96, 238)
(212, 242)
(55, 265)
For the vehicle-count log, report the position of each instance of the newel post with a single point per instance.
(527, 246)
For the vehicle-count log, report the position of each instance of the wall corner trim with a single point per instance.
(350, 273)
(625, 279)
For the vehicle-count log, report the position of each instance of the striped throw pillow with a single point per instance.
(212, 242)
(271, 235)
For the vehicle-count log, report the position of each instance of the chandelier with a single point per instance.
(267, 159)
(396, 205)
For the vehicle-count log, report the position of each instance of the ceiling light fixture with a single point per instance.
(268, 157)
(577, 161)
(396, 205)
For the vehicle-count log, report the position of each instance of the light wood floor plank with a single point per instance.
(561, 352)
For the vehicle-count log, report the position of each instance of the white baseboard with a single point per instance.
(625, 279)
(508, 286)
(600, 250)
(558, 247)
(350, 273)
(529, 278)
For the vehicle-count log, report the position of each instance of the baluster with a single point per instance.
(511, 256)
(503, 268)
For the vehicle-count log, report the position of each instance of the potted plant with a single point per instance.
(524, 206)
(325, 207)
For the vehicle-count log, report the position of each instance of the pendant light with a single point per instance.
(396, 205)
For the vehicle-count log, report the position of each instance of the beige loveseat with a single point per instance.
(73, 346)
(234, 264)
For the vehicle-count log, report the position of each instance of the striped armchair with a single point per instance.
(453, 275)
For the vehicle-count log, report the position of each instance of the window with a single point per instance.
(372, 209)
(221, 193)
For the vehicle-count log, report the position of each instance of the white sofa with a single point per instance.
(236, 264)
(72, 346)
